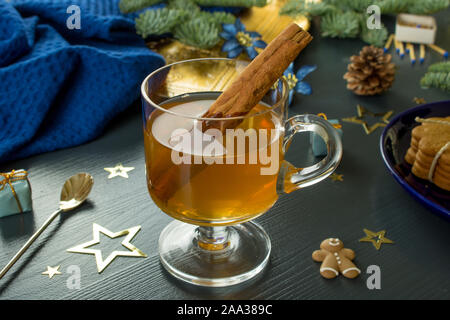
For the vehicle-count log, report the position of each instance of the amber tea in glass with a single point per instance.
(214, 181)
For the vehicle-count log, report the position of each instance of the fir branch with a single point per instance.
(219, 17)
(231, 3)
(184, 19)
(438, 76)
(342, 18)
(427, 6)
(187, 6)
(355, 5)
(440, 67)
(198, 32)
(393, 6)
(157, 22)
(127, 6)
(439, 80)
(294, 7)
(376, 37)
(297, 7)
(340, 25)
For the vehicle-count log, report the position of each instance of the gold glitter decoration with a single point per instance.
(419, 100)
(244, 39)
(102, 264)
(268, 22)
(291, 80)
(360, 119)
(377, 238)
(337, 177)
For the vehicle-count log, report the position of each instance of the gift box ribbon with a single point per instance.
(335, 125)
(9, 178)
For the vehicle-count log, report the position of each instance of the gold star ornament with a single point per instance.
(419, 100)
(118, 171)
(362, 115)
(102, 264)
(377, 238)
(51, 271)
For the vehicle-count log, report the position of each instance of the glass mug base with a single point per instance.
(214, 256)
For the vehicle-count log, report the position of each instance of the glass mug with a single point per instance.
(214, 181)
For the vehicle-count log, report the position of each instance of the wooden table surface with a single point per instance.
(415, 267)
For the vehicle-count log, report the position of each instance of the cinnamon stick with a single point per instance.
(241, 96)
(258, 77)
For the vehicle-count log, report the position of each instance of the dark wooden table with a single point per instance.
(415, 267)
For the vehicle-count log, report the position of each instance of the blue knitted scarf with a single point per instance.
(59, 85)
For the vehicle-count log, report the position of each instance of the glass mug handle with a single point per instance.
(291, 178)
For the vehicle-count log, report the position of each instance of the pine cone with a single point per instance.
(371, 72)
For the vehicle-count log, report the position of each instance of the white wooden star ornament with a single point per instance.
(102, 264)
(118, 171)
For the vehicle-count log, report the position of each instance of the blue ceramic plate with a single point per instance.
(394, 143)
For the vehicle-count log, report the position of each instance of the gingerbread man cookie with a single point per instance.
(335, 258)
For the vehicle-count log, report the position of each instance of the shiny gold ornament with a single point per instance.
(118, 170)
(337, 177)
(377, 238)
(51, 271)
(268, 21)
(360, 119)
(102, 264)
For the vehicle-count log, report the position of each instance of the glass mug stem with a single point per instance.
(212, 238)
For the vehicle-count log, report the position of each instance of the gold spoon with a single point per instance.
(74, 192)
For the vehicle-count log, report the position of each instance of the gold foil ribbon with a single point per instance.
(335, 125)
(10, 177)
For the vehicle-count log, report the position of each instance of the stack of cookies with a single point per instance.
(429, 153)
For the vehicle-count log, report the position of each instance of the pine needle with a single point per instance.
(338, 17)
(198, 32)
(438, 76)
(231, 3)
(127, 6)
(340, 25)
(157, 22)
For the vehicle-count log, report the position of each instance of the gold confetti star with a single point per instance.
(102, 264)
(337, 177)
(360, 119)
(377, 238)
(51, 271)
(118, 170)
(419, 100)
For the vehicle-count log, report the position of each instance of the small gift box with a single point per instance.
(15, 193)
(415, 29)
(319, 146)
